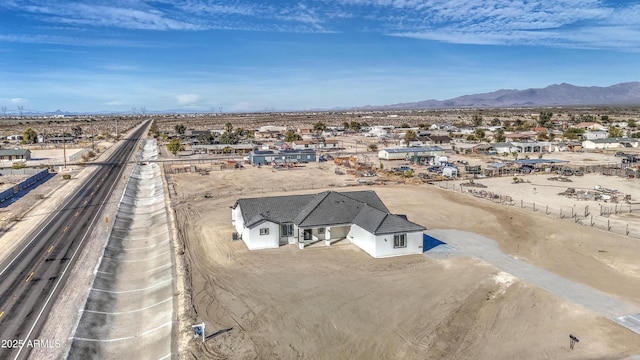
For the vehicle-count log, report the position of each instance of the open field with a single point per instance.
(337, 302)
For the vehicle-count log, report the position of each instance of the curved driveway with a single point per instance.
(462, 243)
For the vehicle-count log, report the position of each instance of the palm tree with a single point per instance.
(228, 127)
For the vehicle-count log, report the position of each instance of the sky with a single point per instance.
(237, 55)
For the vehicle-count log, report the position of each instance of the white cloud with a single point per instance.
(188, 99)
(115, 103)
(17, 101)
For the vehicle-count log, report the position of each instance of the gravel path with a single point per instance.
(462, 243)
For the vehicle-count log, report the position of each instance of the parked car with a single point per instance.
(620, 153)
(434, 169)
(402, 168)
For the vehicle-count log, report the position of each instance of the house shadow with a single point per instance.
(430, 243)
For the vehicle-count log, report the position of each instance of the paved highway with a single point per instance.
(32, 277)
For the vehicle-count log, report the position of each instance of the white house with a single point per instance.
(357, 216)
(592, 135)
(407, 153)
(381, 130)
(610, 143)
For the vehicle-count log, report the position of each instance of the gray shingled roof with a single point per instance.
(14, 152)
(379, 222)
(280, 209)
(363, 208)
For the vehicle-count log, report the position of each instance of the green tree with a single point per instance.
(228, 127)
(471, 137)
(292, 136)
(319, 126)
(479, 133)
(405, 126)
(77, 131)
(500, 136)
(495, 122)
(515, 155)
(572, 133)
(174, 146)
(355, 126)
(477, 120)
(604, 119)
(544, 119)
(409, 136)
(632, 123)
(615, 132)
(153, 129)
(29, 136)
(206, 139)
(180, 129)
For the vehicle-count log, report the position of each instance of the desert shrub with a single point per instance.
(66, 176)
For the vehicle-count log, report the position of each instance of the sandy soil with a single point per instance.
(338, 302)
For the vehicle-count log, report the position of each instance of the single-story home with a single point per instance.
(223, 148)
(358, 216)
(408, 153)
(310, 144)
(15, 154)
(592, 135)
(267, 157)
(610, 143)
(590, 126)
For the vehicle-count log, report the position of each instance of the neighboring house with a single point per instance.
(504, 147)
(15, 154)
(592, 135)
(590, 126)
(420, 141)
(567, 146)
(223, 148)
(268, 157)
(311, 144)
(610, 143)
(532, 146)
(407, 153)
(358, 216)
(381, 130)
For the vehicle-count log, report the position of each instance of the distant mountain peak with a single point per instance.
(563, 94)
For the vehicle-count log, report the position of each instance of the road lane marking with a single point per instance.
(29, 277)
(51, 248)
(1, 313)
(92, 223)
(66, 228)
(77, 213)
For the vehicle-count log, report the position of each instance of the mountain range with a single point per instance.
(553, 95)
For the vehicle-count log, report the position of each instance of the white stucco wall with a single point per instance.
(386, 249)
(363, 239)
(255, 241)
(237, 220)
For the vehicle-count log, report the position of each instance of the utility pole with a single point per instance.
(93, 147)
(64, 148)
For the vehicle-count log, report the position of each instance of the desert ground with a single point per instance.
(338, 302)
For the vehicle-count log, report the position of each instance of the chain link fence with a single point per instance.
(587, 215)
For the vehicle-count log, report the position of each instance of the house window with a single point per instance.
(287, 229)
(320, 230)
(399, 241)
(264, 231)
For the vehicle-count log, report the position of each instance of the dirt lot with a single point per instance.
(337, 302)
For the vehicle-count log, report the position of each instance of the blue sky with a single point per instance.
(241, 55)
